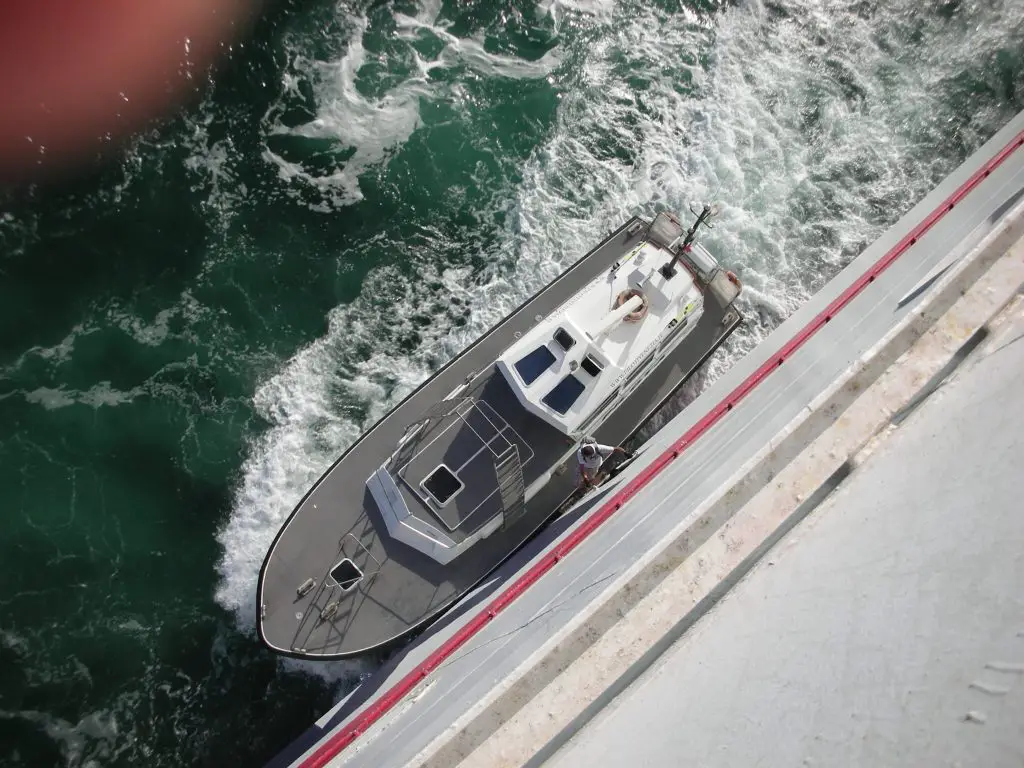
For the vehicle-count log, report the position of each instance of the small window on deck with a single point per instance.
(591, 366)
(534, 364)
(565, 393)
(346, 574)
(564, 339)
(442, 484)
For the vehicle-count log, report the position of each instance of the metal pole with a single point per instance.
(669, 270)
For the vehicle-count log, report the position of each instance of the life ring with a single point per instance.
(636, 314)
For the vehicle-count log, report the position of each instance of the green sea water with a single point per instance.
(191, 332)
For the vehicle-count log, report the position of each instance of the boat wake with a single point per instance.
(816, 126)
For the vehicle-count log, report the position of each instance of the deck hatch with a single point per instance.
(591, 366)
(531, 366)
(565, 393)
(442, 484)
(346, 574)
(564, 339)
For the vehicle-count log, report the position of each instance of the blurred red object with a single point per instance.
(76, 75)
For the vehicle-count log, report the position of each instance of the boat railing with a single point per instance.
(665, 230)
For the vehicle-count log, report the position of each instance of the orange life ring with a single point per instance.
(636, 314)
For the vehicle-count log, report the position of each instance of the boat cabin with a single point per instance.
(569, 369)
(469, 464)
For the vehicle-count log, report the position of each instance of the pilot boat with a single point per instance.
(440, 491)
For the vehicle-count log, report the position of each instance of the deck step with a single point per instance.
(509, 473)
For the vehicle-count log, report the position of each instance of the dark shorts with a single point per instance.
(578, 478)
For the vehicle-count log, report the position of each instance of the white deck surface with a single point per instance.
(619, 348)
(887, 628)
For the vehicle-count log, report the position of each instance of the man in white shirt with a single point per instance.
(589, 458)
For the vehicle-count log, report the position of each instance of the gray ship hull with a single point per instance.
(401, 590)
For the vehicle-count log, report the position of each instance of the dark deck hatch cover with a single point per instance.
(534, 364)
(564, 339)
(442, 484)
(346, 574)
(565, 393)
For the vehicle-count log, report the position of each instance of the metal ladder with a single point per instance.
(510, 485)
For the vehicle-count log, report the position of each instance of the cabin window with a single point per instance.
(565, 393)
(564, 339)
(346, 574)
(442, 484)
(534, 364)
(591, 366)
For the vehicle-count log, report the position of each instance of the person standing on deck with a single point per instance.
(589, 458)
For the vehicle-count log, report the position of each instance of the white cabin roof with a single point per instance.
(566, 367)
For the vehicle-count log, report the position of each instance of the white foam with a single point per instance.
(186, 313)
(94, 736)
(560, 9)
(371, 126)
(58, 354)
(96, 396)
(470, 51)
(803, 167)
(375, 127)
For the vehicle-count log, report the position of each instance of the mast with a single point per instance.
(669, 270)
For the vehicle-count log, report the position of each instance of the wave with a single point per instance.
(814, 124)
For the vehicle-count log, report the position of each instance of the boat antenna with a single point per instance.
(708, 210)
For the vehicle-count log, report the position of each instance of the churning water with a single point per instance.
(191, 335)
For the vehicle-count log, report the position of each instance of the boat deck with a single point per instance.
(484, 426)
(401, 589)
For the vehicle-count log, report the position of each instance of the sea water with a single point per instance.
(192, 333)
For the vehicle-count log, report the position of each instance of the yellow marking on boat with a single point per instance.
(690, 306)
(632, 253)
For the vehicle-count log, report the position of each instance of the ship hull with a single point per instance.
(402, 590)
